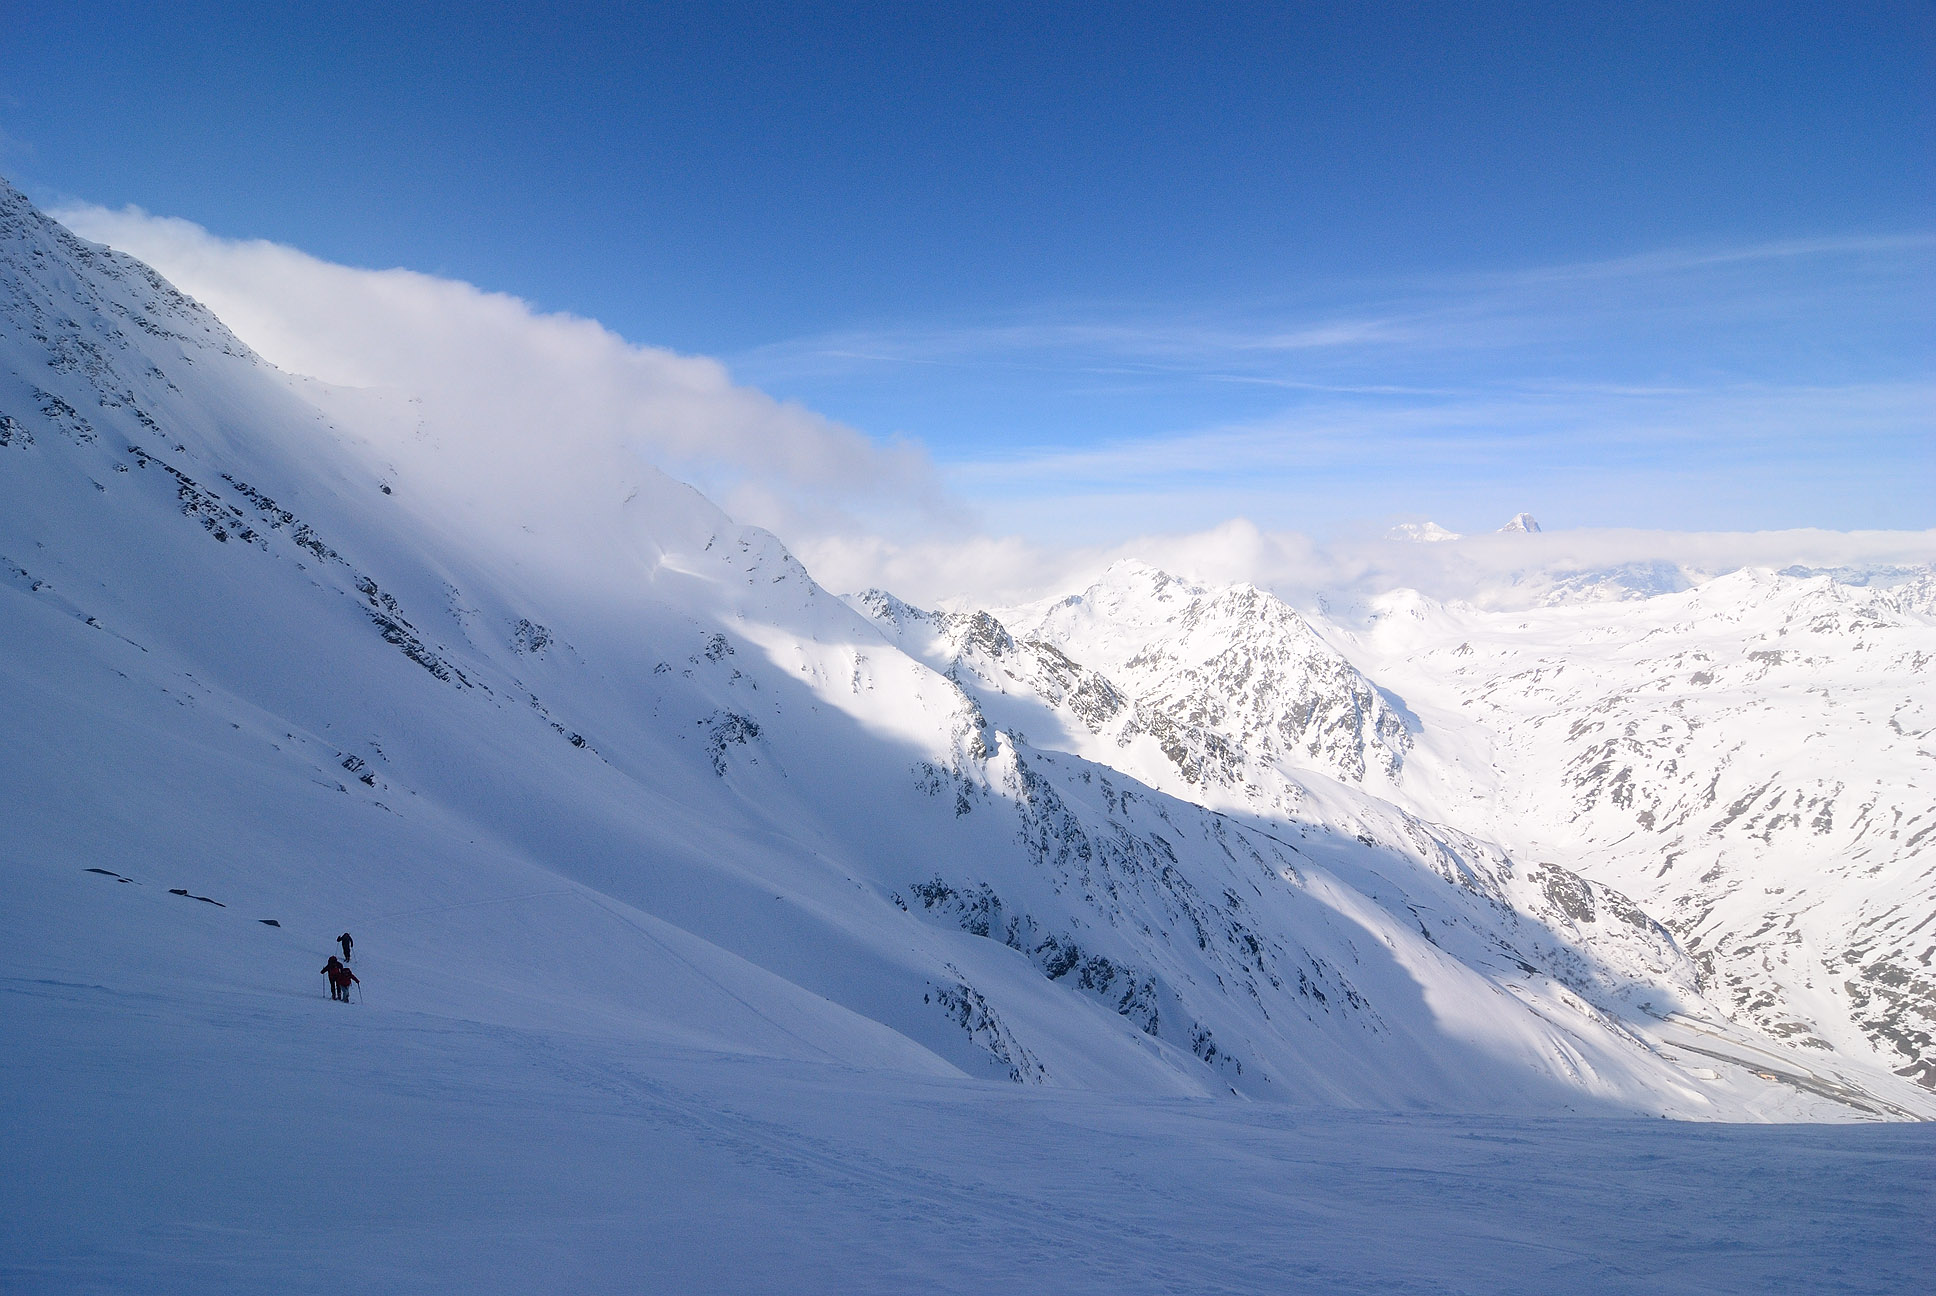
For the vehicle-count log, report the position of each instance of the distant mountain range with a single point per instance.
(1665, 854)
(1749, 758)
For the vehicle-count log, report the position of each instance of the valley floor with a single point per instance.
(241, 1141)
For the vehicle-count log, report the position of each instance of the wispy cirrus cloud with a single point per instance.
(1459, 313)
(1743, 457)
(1676, 261)
(1581, 423)
(1774, 383)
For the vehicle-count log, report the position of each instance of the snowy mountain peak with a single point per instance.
(1422, 533)
(1135, 589)
(1236, 665)
(883, 606)
(1521, 522)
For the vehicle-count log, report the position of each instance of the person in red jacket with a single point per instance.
(340, 979)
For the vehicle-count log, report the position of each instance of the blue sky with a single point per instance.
(1126, 267)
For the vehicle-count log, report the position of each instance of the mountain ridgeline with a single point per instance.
(633, 763)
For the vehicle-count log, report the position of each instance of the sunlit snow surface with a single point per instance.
(716, 938)
(211, 1140)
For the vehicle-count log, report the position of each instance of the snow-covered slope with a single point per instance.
(1222, 747)
(1751, 759)
(1248, 712)
(578, 749)
(1748, 758)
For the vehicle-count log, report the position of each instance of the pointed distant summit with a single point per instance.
(1521, 522)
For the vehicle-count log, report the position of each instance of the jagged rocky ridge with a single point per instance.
(1694, 757)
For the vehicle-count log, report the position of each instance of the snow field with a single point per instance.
(231, 1141)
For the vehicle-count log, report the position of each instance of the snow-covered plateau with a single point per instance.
(717, 933)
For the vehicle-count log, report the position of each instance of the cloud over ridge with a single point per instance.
(493, 371)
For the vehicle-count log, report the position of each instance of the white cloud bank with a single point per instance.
(1492, 570)
(490, 371)
(1510, 570)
